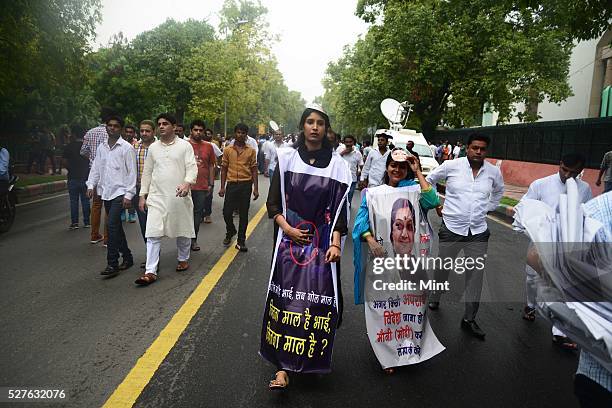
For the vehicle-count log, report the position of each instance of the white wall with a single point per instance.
(580, 80)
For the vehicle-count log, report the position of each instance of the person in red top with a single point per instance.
(205, 159)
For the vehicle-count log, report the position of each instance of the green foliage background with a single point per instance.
(451, 59)
(51, 75)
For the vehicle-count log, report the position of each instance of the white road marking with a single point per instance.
(42, 199)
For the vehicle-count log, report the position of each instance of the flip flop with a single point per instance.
(146, 279)
(529, 313)
(275, 384)
(565, 343)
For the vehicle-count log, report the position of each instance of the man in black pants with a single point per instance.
(239, 170)
(113, 175)
(474, 187)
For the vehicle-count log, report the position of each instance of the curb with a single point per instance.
(39, 189)
(505, 210)
(504, 213)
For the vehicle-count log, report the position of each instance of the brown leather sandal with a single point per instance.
(564, 342)
(146, 279)
(182, 266)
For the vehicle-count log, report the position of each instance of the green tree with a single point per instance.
(43, 44)
(140, 78)
(577, 19)
(449, 59)
(240, 69)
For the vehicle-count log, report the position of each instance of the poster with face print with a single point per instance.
(396, 284)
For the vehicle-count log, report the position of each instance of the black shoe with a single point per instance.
(228, 239)
(110, 271)
(473, 328)
(433, 305)
(126, 265)
(241, 247)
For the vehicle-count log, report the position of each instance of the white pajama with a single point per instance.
(183, 244)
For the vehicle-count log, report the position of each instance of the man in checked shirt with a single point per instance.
(91, 141)
(147, 137)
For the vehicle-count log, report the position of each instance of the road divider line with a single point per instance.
(500, 222)
(126, 394)
(41, 200)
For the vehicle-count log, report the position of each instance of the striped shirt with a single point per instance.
(599, 208)
(92, 140)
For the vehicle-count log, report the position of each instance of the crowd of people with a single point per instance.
(308, 201)
(167, 180)
(162, 177)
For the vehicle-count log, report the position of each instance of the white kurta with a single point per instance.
(167, 166)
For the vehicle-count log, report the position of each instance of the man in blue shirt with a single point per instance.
(4, 164)
(4, 170)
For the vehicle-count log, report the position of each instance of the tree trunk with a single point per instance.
(180, 115)
(531, 106)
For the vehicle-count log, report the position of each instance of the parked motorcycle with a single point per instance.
(8, 205)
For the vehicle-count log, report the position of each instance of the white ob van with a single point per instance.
(402, 136)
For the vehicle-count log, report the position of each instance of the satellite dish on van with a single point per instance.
(392, 110)
(274, 126)
(395, 112)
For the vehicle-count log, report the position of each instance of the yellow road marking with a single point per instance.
(131, 387)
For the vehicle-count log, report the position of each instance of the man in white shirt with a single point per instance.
(456, 150)
(113, 176)
(179, 131)
(354, 159)
(252, 143)
(375, 165)
(548, 190)
(271, 156)
(474, 187)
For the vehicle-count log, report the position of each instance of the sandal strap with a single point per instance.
(148, 278)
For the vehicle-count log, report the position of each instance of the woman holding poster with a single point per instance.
(389, 218)
(307, 200)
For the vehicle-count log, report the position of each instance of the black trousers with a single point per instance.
(117, 243)
(474, 246)
(237, 197)
(199, 202)
(591, 394)
(142, 215)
